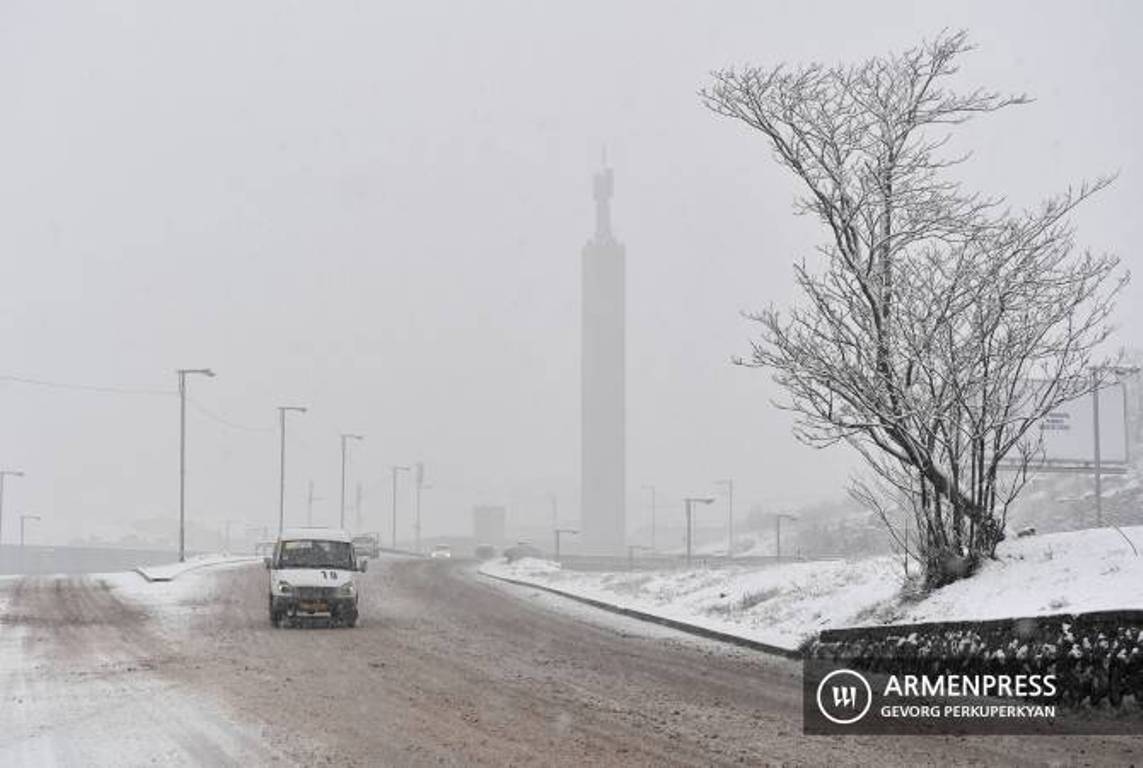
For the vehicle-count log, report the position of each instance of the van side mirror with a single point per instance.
(363, 565)
(266, 562)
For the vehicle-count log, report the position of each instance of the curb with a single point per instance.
(682, 626)
(141, 570)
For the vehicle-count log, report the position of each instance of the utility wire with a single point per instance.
(87, 387)
(132, 391)
(226, 422)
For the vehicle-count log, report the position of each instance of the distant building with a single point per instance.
(488, 525)
(603, 381)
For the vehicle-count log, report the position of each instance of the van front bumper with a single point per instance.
(306, 605)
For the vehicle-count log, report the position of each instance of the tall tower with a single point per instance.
(603, 465)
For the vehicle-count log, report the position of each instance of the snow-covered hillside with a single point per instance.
(786, 604)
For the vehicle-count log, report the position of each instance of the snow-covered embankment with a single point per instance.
(786, 604)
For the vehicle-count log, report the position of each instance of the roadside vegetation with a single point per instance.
(936, 325)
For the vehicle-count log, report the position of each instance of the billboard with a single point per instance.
(488, 524)
(1068, 432)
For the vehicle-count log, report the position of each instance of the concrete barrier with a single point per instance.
(40, 560)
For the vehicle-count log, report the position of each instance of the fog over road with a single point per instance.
(445, 667)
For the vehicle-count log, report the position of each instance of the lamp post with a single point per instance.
(395, 469)
(423, 487)
(226, 534)
(778, 533)
(345, 436)
(310, 499)
(24, 519)
(688, 502)
(5, 473)
(557, 531)
(651, 488)
(729, 483)
(183, 373)
(1119, 371)
(420, 478)
(282, 411)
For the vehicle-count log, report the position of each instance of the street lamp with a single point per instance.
(344, 437)
(1120, 371)
(24, 519)
(778, 533)
(557, 531)
(395, 469)
(5, 473)
(729, 483)
(310, 499)
(183, 373)
(688, 502)
(420, 477)
(282, 410)
(651, 488)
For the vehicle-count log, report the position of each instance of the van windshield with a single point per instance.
(313, 553)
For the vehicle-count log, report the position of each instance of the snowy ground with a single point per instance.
(785, 604)
(80, 682)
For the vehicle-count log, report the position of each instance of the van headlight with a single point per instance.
(284, 587)
(347, 589)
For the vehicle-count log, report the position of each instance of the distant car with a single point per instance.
(312, 574)
(441, 552)
(485, 552)
(367, 545)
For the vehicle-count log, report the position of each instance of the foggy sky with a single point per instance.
(376, 210)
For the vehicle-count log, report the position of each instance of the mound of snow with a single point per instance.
(1077, 571)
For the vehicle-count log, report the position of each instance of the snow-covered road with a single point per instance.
(80, 683)
(445, 667)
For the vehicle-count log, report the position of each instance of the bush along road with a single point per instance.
(1096, 657)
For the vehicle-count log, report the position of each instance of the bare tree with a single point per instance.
(940, 328)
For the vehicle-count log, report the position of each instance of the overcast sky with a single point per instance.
(376, 210)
